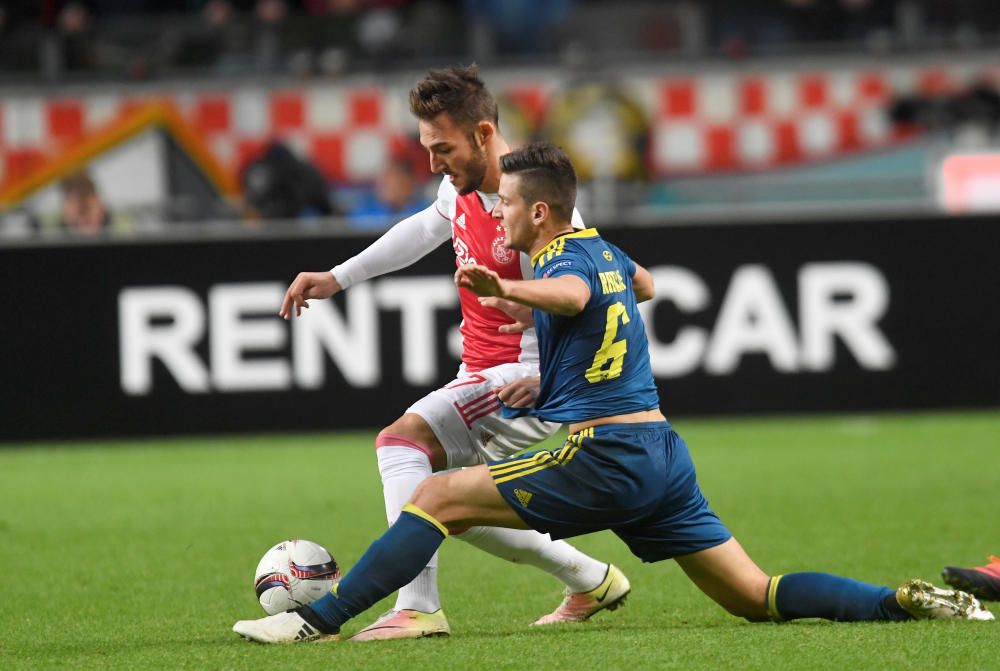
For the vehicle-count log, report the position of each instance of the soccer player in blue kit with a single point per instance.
(622, 467)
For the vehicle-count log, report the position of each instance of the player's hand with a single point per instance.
(520, 393)
(521, 314)
(306, 286)
(480, 280)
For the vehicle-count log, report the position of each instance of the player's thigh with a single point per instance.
(682, 523)
(728, 575)
(466, 497)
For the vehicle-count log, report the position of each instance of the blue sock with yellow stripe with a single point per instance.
(831, 597)
(389, 563)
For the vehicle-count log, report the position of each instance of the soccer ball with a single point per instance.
(294, 573)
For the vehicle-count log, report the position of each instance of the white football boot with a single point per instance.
(287, 627)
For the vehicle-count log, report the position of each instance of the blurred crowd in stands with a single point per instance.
(58, 41)
(141, 39)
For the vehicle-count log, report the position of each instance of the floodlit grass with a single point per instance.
(140, 555)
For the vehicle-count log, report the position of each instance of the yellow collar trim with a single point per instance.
(583, 233)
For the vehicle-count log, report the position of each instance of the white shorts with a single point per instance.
(465, 416)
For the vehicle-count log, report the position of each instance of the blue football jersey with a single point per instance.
(596, 363)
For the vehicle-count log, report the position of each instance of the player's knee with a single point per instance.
(436, 497)
(432, 496)
(410, 426)
(412, 430)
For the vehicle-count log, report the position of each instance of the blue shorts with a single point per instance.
(634, 479)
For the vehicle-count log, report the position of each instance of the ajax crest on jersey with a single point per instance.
(294, 573)
(501, 254)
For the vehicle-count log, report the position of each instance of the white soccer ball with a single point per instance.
(294, 573)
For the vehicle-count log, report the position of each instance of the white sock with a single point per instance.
(402, 469)
(578, 571)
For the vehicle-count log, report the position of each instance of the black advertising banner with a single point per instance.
(182, 337)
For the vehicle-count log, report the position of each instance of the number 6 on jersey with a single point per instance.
(611, 350)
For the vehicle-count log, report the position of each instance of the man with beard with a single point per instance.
(460, 424)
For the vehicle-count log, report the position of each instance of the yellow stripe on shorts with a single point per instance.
(510, 470)
(510, 467)
(514, 476)
(571, 454)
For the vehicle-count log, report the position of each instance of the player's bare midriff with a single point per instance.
(653, 415)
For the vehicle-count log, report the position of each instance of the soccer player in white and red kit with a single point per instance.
(460, 424)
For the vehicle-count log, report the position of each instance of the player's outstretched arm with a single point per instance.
(564, 295)
(642, 284)
(402, 245)
(306, 286)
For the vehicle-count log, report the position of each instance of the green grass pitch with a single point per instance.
(140, 555)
